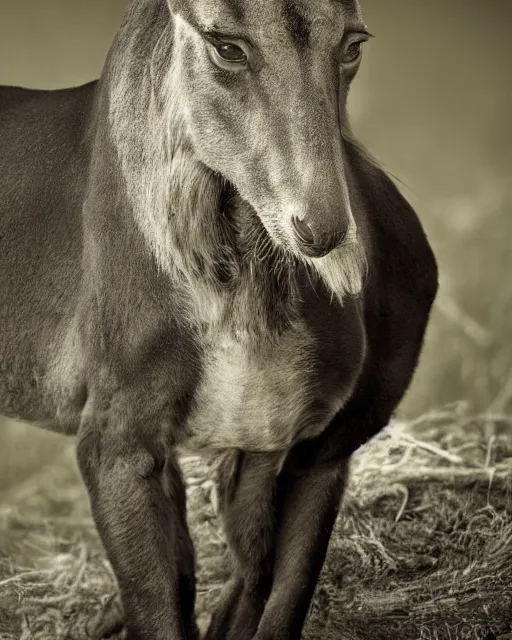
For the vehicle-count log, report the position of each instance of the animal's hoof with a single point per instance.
(109, 621)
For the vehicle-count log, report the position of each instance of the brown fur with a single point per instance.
(154, 298)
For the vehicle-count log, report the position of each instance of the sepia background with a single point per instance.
(433, 102)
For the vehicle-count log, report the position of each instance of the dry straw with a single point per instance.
(422, 550)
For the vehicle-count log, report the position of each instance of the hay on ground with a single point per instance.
(422, 548)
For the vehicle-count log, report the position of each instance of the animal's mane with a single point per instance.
(198, 229)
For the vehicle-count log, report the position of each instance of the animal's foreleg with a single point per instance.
(247, 498)
(308, 506)
(139, 509)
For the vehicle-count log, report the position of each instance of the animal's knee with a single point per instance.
(106, 448)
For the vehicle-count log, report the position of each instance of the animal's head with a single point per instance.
(262, 93)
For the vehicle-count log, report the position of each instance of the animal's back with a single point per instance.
(43, 170)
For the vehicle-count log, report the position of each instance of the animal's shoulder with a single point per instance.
(402, 259)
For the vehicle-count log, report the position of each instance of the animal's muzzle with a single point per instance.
(316, 244)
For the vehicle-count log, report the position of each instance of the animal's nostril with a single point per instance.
(304, 231)
(340, 237)
(317, 244)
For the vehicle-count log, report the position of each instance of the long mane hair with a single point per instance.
(197, 227)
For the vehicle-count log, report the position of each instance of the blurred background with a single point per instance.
(433, 102)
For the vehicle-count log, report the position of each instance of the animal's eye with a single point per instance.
(230, 56)
(352, 51)
(231, 53)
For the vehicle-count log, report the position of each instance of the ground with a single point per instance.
(422, 549)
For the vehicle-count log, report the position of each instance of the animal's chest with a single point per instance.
(265, 397)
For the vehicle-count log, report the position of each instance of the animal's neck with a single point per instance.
(221, 256)
(200, 233)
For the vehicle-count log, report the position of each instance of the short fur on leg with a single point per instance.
(247, 498)
(138, 504)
